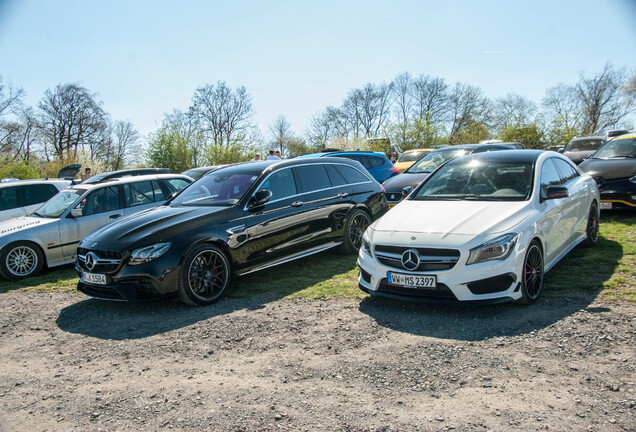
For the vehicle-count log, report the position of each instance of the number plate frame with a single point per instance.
(412, 281)
(606, 205)
(94, 278)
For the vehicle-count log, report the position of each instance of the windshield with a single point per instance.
(617, 148)
(472, 180)
(434, 159)
(57, 205)
(221, 188)
(584, 145)
(413, 155)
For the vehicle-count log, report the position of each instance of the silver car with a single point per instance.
(51, 233)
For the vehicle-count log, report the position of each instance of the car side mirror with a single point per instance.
(259, 199)
(555, 192)
(76, 212)
(406, 191)
(561, 149)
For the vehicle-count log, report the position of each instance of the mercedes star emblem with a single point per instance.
(91, 260)
(410, 259)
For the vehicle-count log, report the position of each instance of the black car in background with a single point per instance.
(613, 166)
(416, 173)
(235, 220)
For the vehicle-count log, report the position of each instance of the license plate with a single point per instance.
(606, 205)
(391, 205)
(415, 281)
(94, 278)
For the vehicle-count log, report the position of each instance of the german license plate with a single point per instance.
(415, 281)
(94, 278)
(606, 205)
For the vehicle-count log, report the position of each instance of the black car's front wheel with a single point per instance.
(354, 228)
(204, 275)
(532, 282)
(20, 260)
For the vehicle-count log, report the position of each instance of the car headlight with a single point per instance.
(148, 253)
(633, 179)
(498, 248)
(366, 245)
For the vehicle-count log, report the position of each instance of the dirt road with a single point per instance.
(70, 363)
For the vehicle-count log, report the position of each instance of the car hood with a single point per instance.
(453, 217)
(23, 223)
(400, 181)
(163, 223)
(578, 156)
(609, 169)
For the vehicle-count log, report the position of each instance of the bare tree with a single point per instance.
(431, 105)
(71, 118)
(10, 98)
(368, 109)
(467, 105)
(10, 102)
(124, 144)
(402, 91)
(281, 133)
(602, 99)
(513, 110)
(225, 115)
(561, 104)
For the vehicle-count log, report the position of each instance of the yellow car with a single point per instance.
(409, 157)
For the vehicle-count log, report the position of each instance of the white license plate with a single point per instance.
(415, 281)
(606, 205)
(94, 278)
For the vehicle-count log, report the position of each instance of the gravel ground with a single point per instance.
(71, 363)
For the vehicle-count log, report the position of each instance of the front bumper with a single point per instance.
(490, 282)
(618, 195)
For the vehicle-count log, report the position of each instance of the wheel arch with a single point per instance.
(45, 261)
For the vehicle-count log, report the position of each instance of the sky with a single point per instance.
(147, 58)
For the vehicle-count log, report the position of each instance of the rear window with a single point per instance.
(35, 194)
(351, 174)
(8, 198)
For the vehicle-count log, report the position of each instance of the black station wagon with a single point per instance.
(233, 221)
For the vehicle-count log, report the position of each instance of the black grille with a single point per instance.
(142, 286)
(430, 259)
(102, 292)
(114, 259)
(394, 197)
(365, 276)
(491, 285)
(442, 292)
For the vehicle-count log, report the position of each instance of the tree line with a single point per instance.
(70, 125)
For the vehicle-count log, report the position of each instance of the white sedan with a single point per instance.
(482, 228)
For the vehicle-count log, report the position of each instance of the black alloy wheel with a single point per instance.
(532, 282)
(592, 230)
(204, 276)
(354, 229)
(21, 260)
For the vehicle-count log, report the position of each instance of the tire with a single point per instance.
(204, 275)
(21, 260)
(592, 229)
(532, 275)
(354, 228)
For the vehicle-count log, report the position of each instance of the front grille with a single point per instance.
(101, 292)
(107, 261)
(430, 259)
(394, 197)
(442, 292)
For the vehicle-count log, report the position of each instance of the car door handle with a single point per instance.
(115, 216)
(343, 195)
(297, 203)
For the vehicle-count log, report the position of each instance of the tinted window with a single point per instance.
(35, 194)
(549, 177)
(8, 198)
(375, 161)
(351, 174)
(139, 193)
(100, 201)
(336, 178)
(312, 178)
(567, 171)
(358, 158)
(175, 185)
(281, 184)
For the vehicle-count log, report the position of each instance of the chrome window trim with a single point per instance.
(305, 193)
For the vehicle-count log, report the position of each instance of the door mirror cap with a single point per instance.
(76, 212)
(555, 192)
(406, 191)
(259, 199)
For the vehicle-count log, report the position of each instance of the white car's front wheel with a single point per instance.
(532, 275)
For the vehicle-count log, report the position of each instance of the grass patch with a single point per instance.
(608, 268)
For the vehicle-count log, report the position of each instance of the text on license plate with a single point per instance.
(606, 205)
(391, 205)
(427, 281)
(94, 278)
